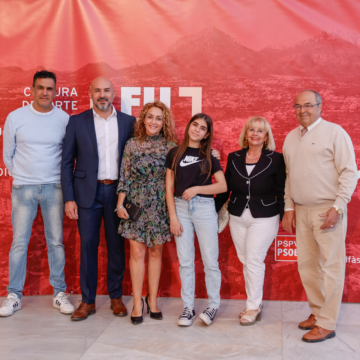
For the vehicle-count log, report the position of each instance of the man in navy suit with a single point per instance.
(96, 139)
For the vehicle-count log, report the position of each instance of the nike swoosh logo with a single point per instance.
(186, 164)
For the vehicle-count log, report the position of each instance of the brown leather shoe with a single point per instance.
(118, 307)
(308, 324)
(83, 311)
(318, 334)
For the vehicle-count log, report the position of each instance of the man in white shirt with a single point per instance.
(96, 139)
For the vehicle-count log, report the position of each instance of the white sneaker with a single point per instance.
(208, 315)
(62, 303)
(10, 305)
(187, 317)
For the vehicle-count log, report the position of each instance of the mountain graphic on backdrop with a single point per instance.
(212, 53)
(100, 68)
(314, 57)
(208, 53)
(15, 74)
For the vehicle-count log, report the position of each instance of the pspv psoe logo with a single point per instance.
(285, 248)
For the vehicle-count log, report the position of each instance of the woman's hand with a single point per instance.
(122, 213)
(176, 227)
(189, 193)
(216, 154)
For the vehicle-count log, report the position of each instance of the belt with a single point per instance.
(107, 182)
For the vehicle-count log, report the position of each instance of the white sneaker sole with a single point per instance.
(56, 306)
(205, 319)
(16, 309)
(186, 322)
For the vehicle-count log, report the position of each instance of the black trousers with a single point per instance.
(89, 224)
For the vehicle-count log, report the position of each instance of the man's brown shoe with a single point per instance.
(118, 307)
(308, 324)
(83, 311)
(318, 334)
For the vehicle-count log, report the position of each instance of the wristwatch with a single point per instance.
(339, 211)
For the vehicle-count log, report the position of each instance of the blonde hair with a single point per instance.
(168, 130)
(269, 142)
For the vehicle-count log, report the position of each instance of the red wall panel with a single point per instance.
(249, 58)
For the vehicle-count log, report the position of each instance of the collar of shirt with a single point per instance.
(40, 113)
(317, 122)
(96, 115)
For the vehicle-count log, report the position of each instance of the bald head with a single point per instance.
(102, 93)
(317, 95)
(101, 81)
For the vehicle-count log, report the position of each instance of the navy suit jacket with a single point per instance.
(262, 191)
(80, 143)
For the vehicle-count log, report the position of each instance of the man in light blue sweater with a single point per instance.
(33, 141)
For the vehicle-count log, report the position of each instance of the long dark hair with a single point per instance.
(205, 145)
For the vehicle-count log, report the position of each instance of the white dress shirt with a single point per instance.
(317, 122)
(107, 136)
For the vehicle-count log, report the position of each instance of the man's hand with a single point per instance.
(176, 227)
(189, 193)
(71, 210)
(288, 221)
(216, 154)
(332, 218)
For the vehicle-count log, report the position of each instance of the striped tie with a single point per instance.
(304, 131)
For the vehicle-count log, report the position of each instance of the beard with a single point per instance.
(102, 107)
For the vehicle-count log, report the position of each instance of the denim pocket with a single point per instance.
(17, 187)
(57, 186)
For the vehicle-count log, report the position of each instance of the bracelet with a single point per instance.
(118, 208)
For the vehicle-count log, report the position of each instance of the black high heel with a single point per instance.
(153, 315)
(136, 320)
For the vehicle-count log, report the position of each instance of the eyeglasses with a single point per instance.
(306, 106)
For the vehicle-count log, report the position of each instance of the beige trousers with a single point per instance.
(321, 263)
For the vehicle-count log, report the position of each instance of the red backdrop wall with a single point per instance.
(247, 58)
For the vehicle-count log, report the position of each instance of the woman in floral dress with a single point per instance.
(142, 182)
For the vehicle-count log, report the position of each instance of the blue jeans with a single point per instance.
(25, 200)
(198, 215)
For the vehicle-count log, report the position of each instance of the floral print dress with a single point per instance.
(142, 178)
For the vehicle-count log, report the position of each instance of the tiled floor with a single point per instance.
(40, 332)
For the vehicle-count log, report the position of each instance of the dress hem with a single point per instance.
(140, 240)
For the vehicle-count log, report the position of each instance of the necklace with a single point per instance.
(251, 158)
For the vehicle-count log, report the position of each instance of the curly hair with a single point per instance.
(168, 129)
